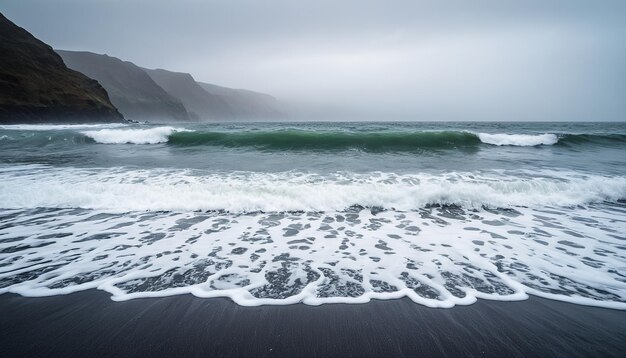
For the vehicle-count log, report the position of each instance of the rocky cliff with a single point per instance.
(37, 87)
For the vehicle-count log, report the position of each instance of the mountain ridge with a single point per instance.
(41, 85)
(246, 103)
(37, 87)
(200, 104)
(130, 88)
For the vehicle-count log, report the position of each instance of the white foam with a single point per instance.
(523, 140)
(121, 189)
(431, 257)
(133, 136)
(51, 127)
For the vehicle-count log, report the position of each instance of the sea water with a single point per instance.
(281, 213)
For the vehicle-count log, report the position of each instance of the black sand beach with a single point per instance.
(90, 324)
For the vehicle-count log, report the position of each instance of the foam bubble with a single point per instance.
(523, 140)
(133, 136)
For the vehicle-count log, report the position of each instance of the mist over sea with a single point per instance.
(317, 212)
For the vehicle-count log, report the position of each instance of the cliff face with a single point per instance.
(246, 104)
(130, 88)
(200, 104)
(37, 87)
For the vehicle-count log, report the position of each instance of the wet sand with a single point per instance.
(90, 324)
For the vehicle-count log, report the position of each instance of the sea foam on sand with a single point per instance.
(297, 237)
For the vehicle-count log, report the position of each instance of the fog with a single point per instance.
(402, 60)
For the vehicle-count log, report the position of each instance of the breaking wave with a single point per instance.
(122, 189)
(300, 139)
(521, 140)
(133, 136)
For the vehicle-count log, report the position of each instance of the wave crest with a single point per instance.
(133, 136)
(306, 140)
(521, 140)
(312, 140)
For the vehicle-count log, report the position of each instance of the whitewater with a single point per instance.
(161, 189)
(314, 213)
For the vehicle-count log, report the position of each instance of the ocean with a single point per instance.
(317, 212)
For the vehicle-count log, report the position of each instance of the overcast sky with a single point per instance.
(422, 60)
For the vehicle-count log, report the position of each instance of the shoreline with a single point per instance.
(89, 323)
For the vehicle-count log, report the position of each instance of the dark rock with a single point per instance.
(37, 87)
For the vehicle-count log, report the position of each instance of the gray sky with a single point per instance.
(395, 60)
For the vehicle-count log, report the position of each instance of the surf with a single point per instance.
(303, 140)
(122, 189)
(318, 140)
